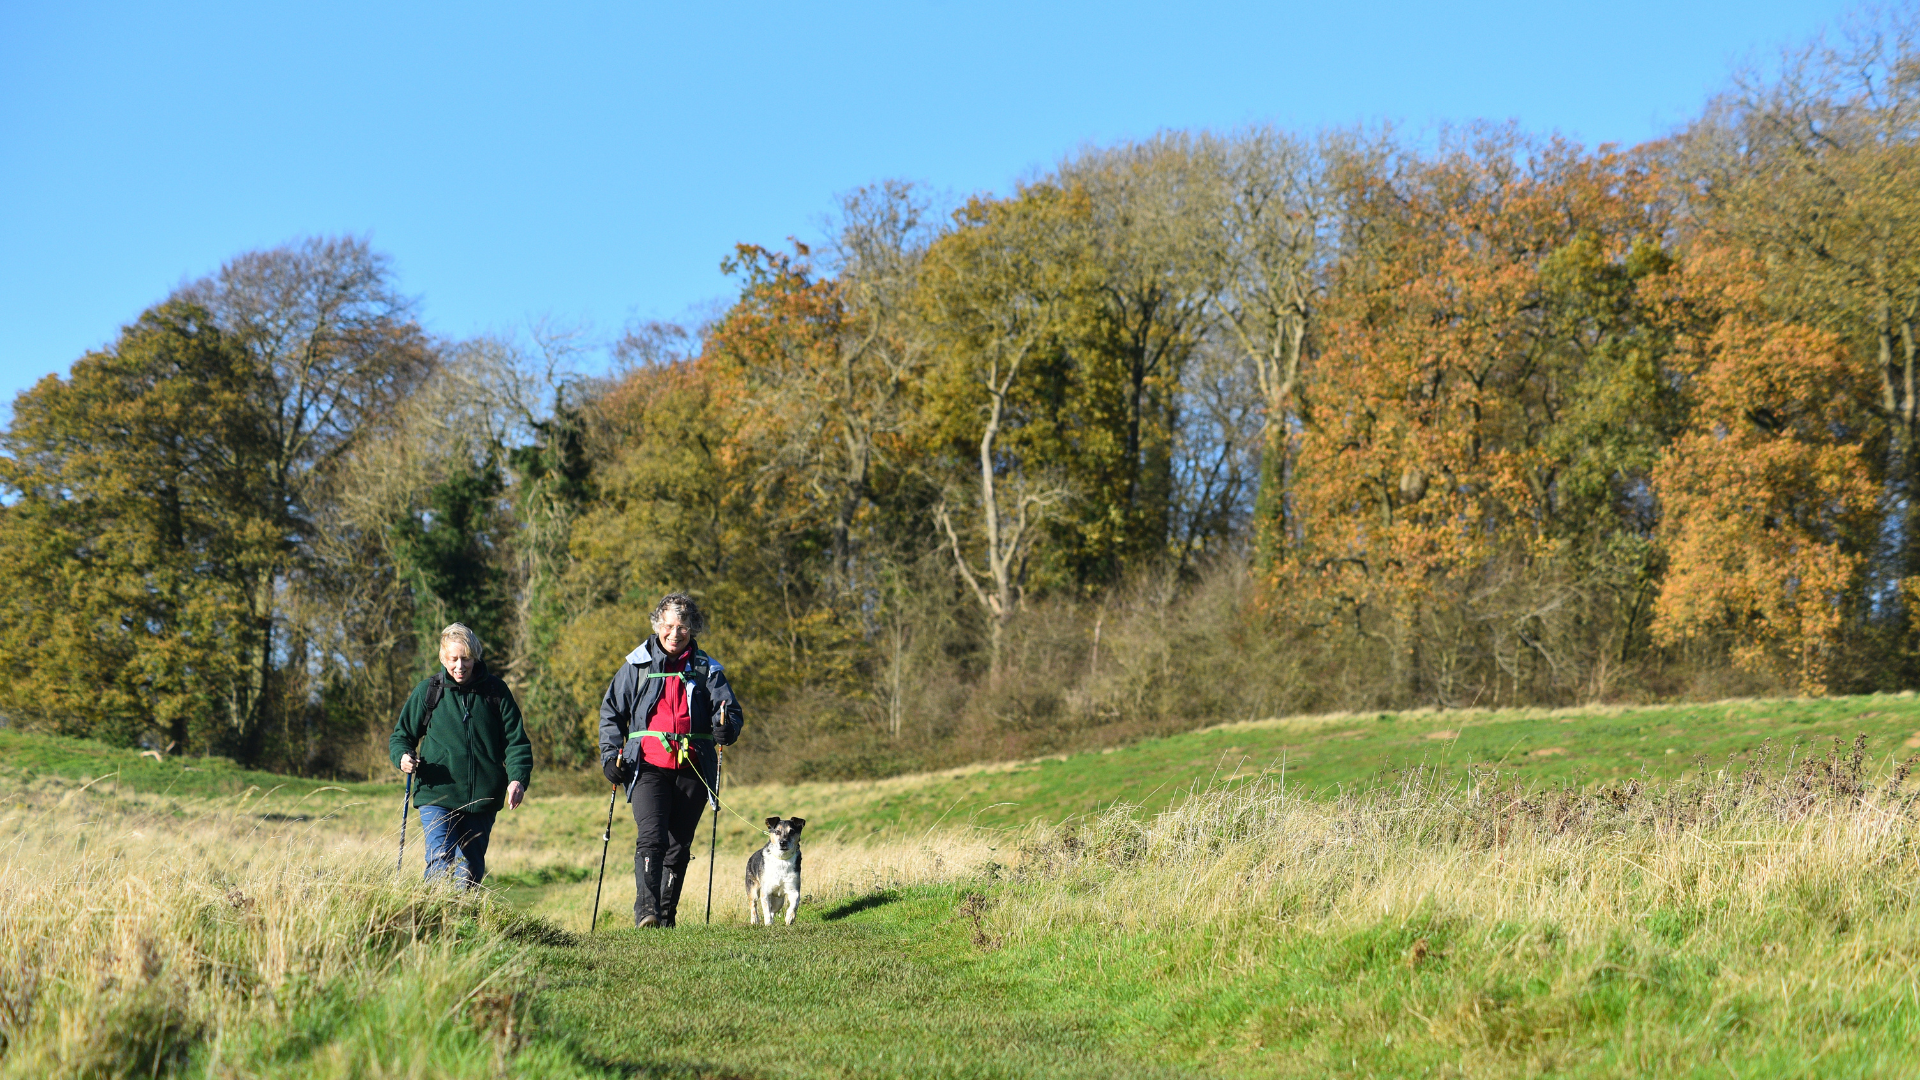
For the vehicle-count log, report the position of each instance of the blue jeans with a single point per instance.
(456, 843)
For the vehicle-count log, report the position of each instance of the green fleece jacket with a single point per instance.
(474, 744)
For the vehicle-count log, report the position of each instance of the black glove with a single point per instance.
(615, 770)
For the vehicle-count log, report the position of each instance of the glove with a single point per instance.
(615, 770)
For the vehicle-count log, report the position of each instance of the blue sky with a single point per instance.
(594, 163)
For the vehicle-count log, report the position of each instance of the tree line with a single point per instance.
(1205, 426)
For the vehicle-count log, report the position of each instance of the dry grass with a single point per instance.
(243, 936)
(1770, 917)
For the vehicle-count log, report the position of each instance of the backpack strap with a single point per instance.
(434, 689)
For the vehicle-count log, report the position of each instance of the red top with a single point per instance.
(673, 713)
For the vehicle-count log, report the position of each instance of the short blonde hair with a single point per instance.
(463, 634)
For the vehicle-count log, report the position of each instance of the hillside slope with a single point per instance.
(1321, 754)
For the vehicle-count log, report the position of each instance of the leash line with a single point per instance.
(751, 827)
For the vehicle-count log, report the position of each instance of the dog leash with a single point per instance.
(751, 827)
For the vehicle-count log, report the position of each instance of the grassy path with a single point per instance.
(885, 986)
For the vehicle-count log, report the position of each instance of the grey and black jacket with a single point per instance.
(629, 700)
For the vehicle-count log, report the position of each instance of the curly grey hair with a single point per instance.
(688, 609)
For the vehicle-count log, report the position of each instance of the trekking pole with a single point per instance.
(713, 841)
(606, 837)
(406, 804)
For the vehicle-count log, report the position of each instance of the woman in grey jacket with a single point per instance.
(662, 719)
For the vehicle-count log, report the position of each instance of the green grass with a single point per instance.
(1323, 755)
(884, 986)
(25, 757)
(899, 986)
(1250, 934)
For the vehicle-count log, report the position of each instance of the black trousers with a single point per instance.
(666, 817)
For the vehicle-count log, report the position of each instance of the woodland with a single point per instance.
(1200, 427)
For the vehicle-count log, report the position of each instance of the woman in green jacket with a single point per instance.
(461, 737)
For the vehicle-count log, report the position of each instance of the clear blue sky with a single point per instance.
(595, 162)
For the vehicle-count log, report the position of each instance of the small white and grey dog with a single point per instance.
(774, 870)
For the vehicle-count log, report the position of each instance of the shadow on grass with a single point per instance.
(859, 904)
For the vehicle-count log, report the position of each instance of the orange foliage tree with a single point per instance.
(1769, 502)
(1481, 416)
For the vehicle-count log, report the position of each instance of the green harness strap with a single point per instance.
(673, 742)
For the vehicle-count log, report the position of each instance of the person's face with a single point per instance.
(673, 634)
(457, 659)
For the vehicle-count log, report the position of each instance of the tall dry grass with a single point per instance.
(235, 937)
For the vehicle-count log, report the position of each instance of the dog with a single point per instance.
(775, 870)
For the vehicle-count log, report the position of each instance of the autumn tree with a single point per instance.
(1815, 169)
(1768, 498)
(1487, 404)
(827, 365)
(675, 509)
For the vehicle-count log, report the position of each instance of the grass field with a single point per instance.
(1321, 755)
(1607, 895)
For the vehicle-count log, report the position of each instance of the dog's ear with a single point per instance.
(797, 823)
(772, 821)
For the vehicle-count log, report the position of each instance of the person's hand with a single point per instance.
(516, 791)
(408, 763)
(615, 770)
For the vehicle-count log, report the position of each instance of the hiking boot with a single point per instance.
(646, 890)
